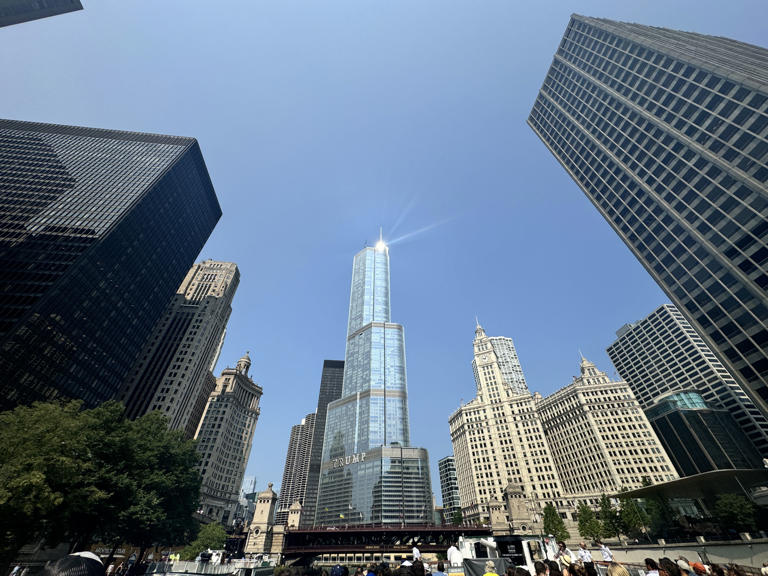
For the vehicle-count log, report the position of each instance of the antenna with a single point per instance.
(381, 234)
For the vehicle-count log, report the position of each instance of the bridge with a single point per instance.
(371, 543)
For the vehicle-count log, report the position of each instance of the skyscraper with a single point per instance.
(699, 438)
(182, 351)
(225, 436)
(370, 474)
(97, 230)
(331, 383)
(18, 11)
(500, 450)
(666, 133)
(600, 439)
(294, 486)
(449, 487)
(662, 353)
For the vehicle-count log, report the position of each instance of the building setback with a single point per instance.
(662, 353)
(97, 230)
(699, 438)
(173, 374)
(601, 441)
(225, 436)
(331, 383)
(499, 447)
(449, 487)
(18, 11)
(666, 132)
(294, 486)
(369, 473)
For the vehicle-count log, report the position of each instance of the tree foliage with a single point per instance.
(458, 518)
(734, 511)
(211, 536)
(610, 518)
(553, 523)
(68, 474)
(589, 526)
(634, 519)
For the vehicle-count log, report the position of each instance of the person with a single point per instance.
(735, 570)
(698, 568)
(520, 571)
(554, 568)
(684, 565)
(564, 555)
(651, 568)
(616, 569)
(405, 567)
(577, 569)
(540, 568)
(454, 556)
(77, 564)
(371, 570)
(717, 570)
(440, 569)
(668, 566)
(764, 569)
(490, 569)
(16, 570)
(586, 559)
(605, 551)
(417, 569)
(416, 553)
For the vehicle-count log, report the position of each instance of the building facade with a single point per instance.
(261, 530)
(331, 383)
(294, 486)
(97, 230)
(699, 438)
(662, 353)
(174, 373)
(18, 11)
(449, 487)
(501, 453)
(369, 473)
(666, 132)
(600, 439)
(225, 436)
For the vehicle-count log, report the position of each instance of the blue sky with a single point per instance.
(321, 121)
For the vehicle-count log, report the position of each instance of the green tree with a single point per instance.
(634, 519)
(68, 474)
(46, 474)
(211, 536)
(589, 526)
(166, 485)
(735, 511)
(458, 518)
(610, 518)
(553, 523)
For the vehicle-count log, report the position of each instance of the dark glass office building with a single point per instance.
(97, 230)
(666, 133)
(18, 11)
(331, 382)
(698, 438)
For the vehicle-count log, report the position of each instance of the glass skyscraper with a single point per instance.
(18, 11)
(331, 382)
(698, 438)
(97, 230)
(666, 132)
(370, 474)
